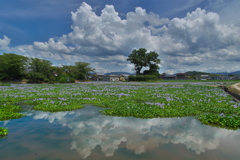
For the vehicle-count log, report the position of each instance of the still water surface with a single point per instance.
(86, 134)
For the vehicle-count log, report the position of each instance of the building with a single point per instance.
(213, 77)
(55, 73)
(102, 77)
(235, 78)
(181, 76)
(97, 76)
(169, 76)
(112, 78)
(220, 77)
(205, 77)
(123, 77)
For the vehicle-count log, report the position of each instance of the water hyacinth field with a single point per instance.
(118, 120)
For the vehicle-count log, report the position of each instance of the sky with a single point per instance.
(188, 35)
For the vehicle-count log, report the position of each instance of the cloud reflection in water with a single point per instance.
(91, 129)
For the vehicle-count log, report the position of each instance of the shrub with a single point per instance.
(71, 80)
(62, 80)
(5, 84)
(132, 78)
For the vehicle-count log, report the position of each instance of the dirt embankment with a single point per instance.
(233, 90)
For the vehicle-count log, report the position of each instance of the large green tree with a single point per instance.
(82, 70)
(140, 58)
(40, 70)
(70, 71)
(153, 62)
(12, 66)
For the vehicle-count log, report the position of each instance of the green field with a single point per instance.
(203, 100)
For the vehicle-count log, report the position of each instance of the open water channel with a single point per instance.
(86, 134)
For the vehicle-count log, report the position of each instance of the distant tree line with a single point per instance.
(15, 67)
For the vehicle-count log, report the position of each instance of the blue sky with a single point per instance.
(201, 35)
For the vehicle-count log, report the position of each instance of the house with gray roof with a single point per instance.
(112, 78)
(97, 76)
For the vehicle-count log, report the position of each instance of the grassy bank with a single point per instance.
(234, 90)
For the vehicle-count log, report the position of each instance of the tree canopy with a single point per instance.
(82, 70)
(140, 58)
(40, 70)
(12, 66)
(16, 67)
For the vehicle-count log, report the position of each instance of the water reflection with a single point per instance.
(89, 130)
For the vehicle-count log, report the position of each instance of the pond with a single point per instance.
(87, 134)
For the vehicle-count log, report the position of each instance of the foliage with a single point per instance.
(69, 71)
(8, 111)
(12, 67)
(142, 59)
(35, 77)
(231, 121)
(40, 70)
(62, 80)
(60, 104)
(66, 79)
(71, 80)
(3, 131)
(82, 70)
(153, 62)
(5, 84)
(141, 100)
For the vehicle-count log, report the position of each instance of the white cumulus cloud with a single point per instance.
(4, 42)
(194, 42)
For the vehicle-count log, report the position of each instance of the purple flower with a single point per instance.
(149, 103)
(62, 99)
(122, 94)
(76, 94)
(169, 99)
(235, 106)
(222, 115)
(87, 98)
(158, 104)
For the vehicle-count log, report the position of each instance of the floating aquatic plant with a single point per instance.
(222, 120)
(8, 111)
(3, 131)
(142, 100)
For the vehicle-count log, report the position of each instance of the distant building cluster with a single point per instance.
(178, 76)
(221, 77)
(185, 76)
(103, 77)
